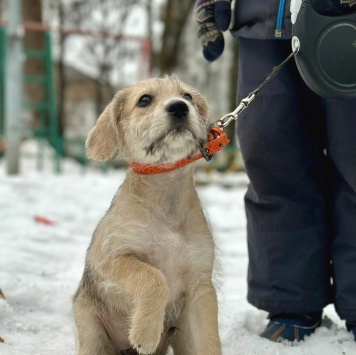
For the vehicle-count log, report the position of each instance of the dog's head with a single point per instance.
(157, 120)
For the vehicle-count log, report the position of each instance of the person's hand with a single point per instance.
(213, 17)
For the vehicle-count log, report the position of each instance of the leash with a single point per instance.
(226, 120)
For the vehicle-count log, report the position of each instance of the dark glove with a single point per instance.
(213, 17)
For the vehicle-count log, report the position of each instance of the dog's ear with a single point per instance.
(102, 142)
(203, 106)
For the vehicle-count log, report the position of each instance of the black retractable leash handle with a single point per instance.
(326, 57)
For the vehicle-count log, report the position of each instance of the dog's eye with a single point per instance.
(145, 100)
(187, 97)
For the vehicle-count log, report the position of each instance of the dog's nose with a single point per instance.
(178, 109)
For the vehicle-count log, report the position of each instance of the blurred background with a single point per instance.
(61, 61)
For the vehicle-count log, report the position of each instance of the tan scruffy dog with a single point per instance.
(147, 279)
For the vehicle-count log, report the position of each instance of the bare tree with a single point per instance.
(61, 72)
(174, 18)
(105, 52)
(149, 14)
(67, 14)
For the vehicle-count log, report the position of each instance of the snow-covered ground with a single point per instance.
(41, 264)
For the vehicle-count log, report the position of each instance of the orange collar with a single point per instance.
(217, 140)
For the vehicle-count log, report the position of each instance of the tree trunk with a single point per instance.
(150, 32)
(33, 40)
(175, 17)
(61, 73)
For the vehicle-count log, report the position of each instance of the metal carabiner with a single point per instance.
(226, 120)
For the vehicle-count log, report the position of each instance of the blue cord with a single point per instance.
(280, 16)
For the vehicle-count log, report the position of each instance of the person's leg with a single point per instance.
(341, 133)
(280, 138)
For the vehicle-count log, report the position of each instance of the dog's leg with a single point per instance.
(92, 337)
(148, 289)
(197, 332)
(183, 340)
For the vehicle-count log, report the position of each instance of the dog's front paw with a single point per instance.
(145, 338)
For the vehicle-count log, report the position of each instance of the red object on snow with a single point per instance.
(44, 220)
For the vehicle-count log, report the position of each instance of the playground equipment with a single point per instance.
(46, 128)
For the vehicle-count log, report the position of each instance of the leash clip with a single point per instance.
(226, 120)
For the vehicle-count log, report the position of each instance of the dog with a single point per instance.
(147, 282)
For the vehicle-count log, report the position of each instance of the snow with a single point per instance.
(41, 264)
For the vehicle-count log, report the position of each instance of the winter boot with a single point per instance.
(291, 327)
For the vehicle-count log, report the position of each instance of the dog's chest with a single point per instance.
(184, 259)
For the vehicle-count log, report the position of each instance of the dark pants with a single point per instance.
(300, 155)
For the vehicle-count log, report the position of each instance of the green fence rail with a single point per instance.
(48, 128)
